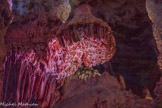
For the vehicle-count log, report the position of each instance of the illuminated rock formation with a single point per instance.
(43, 54)
(56, 8)
(91, 32)
(85, 73)
(61, 9)
(154, 9)
(11, 4)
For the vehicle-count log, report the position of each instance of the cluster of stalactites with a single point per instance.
(75, 33)
(27, 82)
(64, 61)
(85, 24)
(90, 42)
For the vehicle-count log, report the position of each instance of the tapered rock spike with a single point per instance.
(122, 82)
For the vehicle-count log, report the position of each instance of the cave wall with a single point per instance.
(154, 9)
(136, 56)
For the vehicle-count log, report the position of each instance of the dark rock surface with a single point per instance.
(99, 92)
(5, 18)
(154, 9)
(136, 54)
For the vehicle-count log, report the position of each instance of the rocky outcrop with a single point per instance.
(99, 92)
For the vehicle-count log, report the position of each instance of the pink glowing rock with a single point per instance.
(91, 36)
(10, 3)
(53, 53)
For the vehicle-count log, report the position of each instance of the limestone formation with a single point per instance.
(44, 51)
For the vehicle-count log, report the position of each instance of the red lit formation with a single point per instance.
(44, 53)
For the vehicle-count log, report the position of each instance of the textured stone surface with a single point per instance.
(154, 9)
(136, 54)
(61, 9)
(5, 18)
(56, 8)
(44, 51)
(99, 92)
(136, 51)
(85, 73)
(158, 91)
